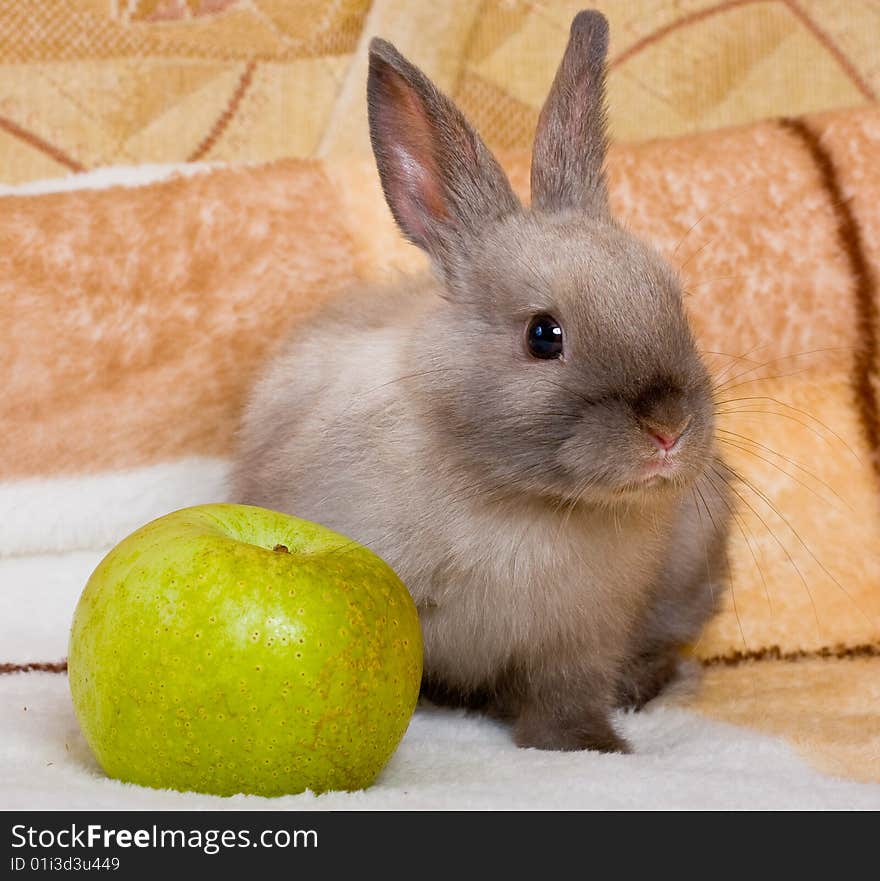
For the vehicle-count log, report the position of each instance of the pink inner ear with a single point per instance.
(418, 199)
(413, 180)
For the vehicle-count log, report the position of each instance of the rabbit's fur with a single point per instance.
(555, 577)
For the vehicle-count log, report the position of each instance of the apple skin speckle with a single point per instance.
(201, 658)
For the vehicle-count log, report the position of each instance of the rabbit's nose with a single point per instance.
(663, 440)
(665, 437)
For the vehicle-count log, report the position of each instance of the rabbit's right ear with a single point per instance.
(569, 151)
(440, 181)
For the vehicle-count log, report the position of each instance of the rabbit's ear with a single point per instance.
(440, 181)
(570, 143)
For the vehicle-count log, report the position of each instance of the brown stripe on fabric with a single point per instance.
(775, 653)
(845, 64)
(794, 8)
(35, 667)
(226, 116)
(35, 141)
(732, 659)
(676, 24)
(864, 286)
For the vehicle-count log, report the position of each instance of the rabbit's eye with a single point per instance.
(544, 337)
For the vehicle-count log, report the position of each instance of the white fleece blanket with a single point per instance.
(57, 531)
(446, 761)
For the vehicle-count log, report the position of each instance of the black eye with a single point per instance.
(544, 337)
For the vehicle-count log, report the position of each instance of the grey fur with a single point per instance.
(574, 113)
(507, 492)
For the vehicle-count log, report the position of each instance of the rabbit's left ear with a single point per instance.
(570, 142)
(440, 181)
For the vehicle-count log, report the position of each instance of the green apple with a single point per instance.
(227, 648)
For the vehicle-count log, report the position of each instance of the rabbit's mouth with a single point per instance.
(660, 467)
(655, 478)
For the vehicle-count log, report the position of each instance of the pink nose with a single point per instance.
(665, 440)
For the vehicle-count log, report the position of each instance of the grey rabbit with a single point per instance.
(526, 435)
